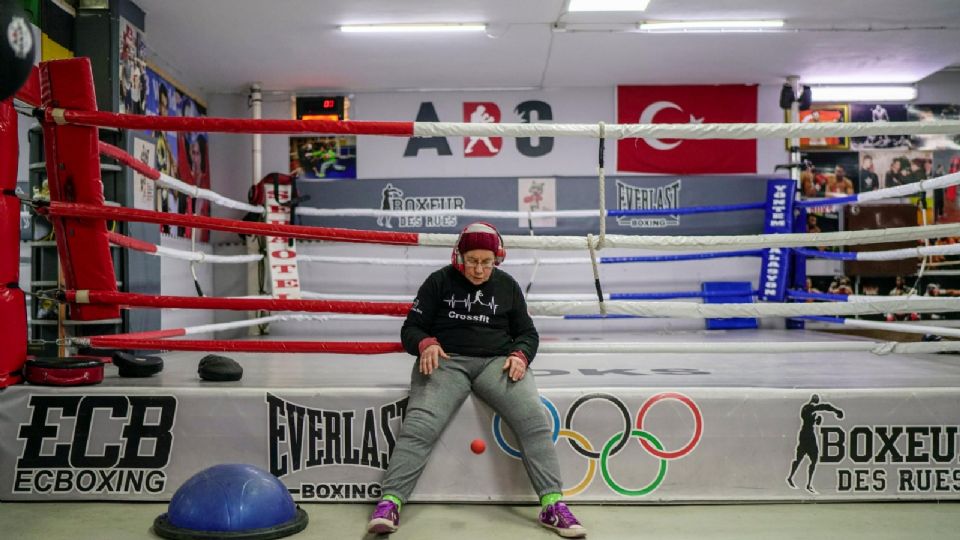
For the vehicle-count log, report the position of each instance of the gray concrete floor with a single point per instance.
(873, 521)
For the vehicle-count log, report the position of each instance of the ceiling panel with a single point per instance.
(224, 45)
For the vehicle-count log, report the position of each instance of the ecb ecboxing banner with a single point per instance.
(615, 444)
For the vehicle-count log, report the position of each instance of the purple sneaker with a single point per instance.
(559, 518)
(385, 519)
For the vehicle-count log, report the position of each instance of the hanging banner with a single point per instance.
(537, 195)
(144, 189)
(457, 157)
(281, 252)
(682, 105)
(550, 193)
(778, 219)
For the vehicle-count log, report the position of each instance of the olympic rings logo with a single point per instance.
(631, 428)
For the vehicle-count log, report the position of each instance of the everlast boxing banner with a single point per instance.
(687, 105)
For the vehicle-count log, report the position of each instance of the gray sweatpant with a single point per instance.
(435, 398)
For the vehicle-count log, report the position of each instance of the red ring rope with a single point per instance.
(131, 243)
(112, 151)
(150, 334)
(333, 347)
(239, 304)
(232, 125)
(303, 232)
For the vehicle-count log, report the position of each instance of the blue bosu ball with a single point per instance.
(231, 501)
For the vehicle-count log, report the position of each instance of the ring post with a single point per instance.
(73, 171)
(798, 265)
(778, 219)
(13, 310)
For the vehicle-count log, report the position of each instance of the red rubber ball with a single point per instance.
(478, 446)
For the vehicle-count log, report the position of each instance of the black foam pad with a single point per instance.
(131, 365)
(214, 367)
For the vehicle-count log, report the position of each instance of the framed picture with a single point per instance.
(332, 157)
(823, 114)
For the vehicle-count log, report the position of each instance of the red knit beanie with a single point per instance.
(479, 236)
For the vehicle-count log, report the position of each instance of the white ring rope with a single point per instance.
(880, 194)
(659, 309)
(532, 297)
(692, 243)
(911, 189)
(900, 327)
(686, 131)
(691, 310)
(908, 253)
(506, 214)
(640, 347)
(861, 298)
(299, 317)
(875, 347)
(898, 191)
(544, 304)
(601, 181)
(170, 182)
(596, 271)
(201, 257)
(436, 263)
(889, 255)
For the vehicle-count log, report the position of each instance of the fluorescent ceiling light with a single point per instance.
(410, 28)
(711, 26)
(864, 93)
(607, 5)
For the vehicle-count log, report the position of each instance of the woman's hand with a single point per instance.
(430, 358)
(515, 367)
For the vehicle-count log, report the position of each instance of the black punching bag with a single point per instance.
(17, 47)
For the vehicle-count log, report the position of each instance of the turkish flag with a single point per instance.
(733, 103)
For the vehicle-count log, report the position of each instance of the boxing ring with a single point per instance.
(647, 402)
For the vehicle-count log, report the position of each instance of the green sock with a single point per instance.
(394, 500)
(550, 498)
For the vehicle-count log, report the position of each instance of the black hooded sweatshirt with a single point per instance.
(490, 319)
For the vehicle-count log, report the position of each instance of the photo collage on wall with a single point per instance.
(182, 155)
(837, 167)
(926, 286)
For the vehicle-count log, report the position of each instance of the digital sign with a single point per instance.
(321, 108)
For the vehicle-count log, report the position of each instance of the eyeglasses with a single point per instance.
(486, 265)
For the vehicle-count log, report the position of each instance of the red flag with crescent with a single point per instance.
(718, 104)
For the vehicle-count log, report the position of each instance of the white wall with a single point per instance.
(943, 87)
(177, 280)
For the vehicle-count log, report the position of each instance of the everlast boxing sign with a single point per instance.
(95, 444)
(303, 438)
(648, 198)
(903, 459)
